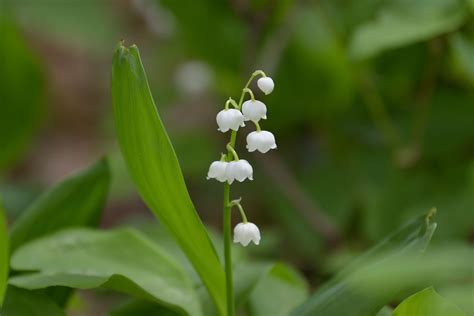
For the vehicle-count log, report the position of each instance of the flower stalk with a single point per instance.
(230, 167)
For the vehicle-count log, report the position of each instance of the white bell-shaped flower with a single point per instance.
(244, 233)
(217, 171)
(262, 141)
(266, 84)
(229, 119)
(238, 170)
(254, 110)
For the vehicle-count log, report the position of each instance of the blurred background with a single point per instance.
(373, 111)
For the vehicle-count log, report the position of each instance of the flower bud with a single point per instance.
(229, 119)
(262, 141)
(266, 84)
(217, 171)
(244, 233)
(238, 170)
(254, 110)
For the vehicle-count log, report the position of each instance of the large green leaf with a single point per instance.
(3, 254)
(76, 201)
(427, 302)
(403, 22)
(19, 302)
(153, 166)
(346, 295)
(122, 260)
(21, 92)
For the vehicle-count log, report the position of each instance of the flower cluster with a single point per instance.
(230, 167)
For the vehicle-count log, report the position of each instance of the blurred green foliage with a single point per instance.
(373, 108)
(22, 93)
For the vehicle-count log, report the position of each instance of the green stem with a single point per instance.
(228, 252)
(227, 212)
(249, 91)
(242, 213)
(231, 149)
(255, 74)
(257, 126)
(241, 209)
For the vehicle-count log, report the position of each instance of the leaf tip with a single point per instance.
(431, 213)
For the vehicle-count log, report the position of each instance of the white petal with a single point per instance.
(229, 119)
(266, 84)
(254, 110)
(244, 233)
(217, 171)
(238, 170)
(262, 141)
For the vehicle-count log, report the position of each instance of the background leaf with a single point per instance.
(20, 112)
(19, 302)
(4, 263)
(403, 22)
(462, 49)
(140, 307)
(279, 292)
(122, 260)
(153, 166)
(343, 295)
(427, 302)
(76, 201)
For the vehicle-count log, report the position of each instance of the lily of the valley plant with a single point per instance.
(231, 168)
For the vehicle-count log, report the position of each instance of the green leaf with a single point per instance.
(22, 93)
(403, 22)
(140, 307)
(385, 311)
(279, 292)
(122, 260)
(345, 295)
(462, 49)
(153, 166)
(19, 302)
(405, 270)
(76, 201)
(3, 254)
(427, 302)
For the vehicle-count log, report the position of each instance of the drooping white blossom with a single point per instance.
(217, 171)
(266, 84)
(244, 233)
(262, 141)
(254, 110)
(238, 170)
(229, 119)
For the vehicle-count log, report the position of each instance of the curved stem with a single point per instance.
(255, 74)
(259, 72)
(241, 209)
(247, 90)
(257, 126)
(231, 149)
(231, 101)
(242, 213)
